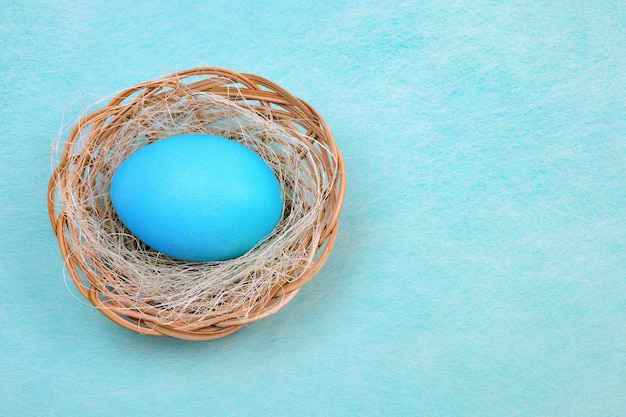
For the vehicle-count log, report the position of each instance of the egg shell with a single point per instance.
(197, 197)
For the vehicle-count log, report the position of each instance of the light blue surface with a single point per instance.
(480, 267)
(197, 198)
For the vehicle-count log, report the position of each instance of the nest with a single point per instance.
(150, 293)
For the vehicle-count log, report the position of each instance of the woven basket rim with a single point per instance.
(273, 102)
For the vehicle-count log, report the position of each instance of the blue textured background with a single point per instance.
(480, 269)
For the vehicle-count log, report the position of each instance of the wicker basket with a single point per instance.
(80, 157)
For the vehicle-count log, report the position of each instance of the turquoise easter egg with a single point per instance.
(197, 197)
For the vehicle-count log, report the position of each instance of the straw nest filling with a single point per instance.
(148, 292)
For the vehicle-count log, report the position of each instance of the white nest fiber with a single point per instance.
(141, 278)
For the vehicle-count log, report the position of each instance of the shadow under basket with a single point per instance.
(139, 288)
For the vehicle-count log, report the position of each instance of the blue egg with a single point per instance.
(197, 198)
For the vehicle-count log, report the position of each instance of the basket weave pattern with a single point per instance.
(86, 154)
